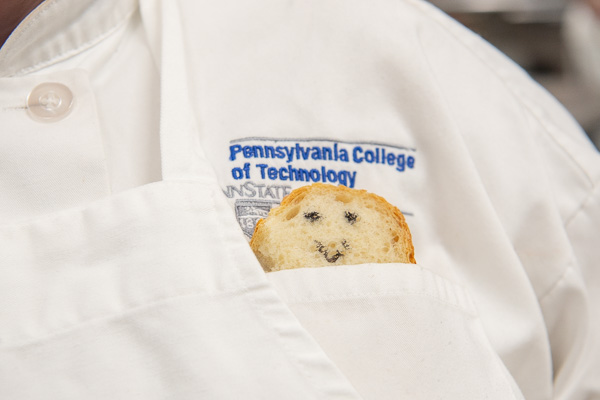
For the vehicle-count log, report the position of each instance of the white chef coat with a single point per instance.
(125, 215)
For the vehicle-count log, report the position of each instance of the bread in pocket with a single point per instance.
(323, 225)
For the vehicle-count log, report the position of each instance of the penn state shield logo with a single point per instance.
(248, 212)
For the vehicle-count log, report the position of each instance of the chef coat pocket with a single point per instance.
(397, 331)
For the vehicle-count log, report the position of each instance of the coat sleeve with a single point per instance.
(582, 229)
(571, 307)
(569, 167)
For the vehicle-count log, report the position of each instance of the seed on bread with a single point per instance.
(320, 225)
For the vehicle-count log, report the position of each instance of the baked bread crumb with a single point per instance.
(322, 225)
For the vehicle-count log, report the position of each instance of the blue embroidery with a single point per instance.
(292, 151)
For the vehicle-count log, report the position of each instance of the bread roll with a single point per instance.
(322, 225)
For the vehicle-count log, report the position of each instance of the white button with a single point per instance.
(49, 102)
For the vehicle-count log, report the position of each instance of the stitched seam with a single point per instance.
(527, 105)
(548, 128)
(357, 295)
(583, 204)
(82, 47)
(259, 310)
(283, 343)
(113, 316)
(103, 201)
(287, 350)
(556, 283)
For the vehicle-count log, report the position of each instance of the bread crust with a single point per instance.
(296, 197)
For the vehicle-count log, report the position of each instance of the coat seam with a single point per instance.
(546, 126)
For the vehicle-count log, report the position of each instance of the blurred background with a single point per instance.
(556, 41)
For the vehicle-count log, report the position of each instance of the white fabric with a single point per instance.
(397, 331)
(37, 167)
(116, 64)
(232, 105)
(154, 323)
(112, 302)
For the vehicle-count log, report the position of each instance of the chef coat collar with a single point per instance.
(58, 29)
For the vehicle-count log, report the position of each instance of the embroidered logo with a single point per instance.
(337, 161)
(248, 212)
(262, 171)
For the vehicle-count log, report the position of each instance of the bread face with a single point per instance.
(322, 225)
